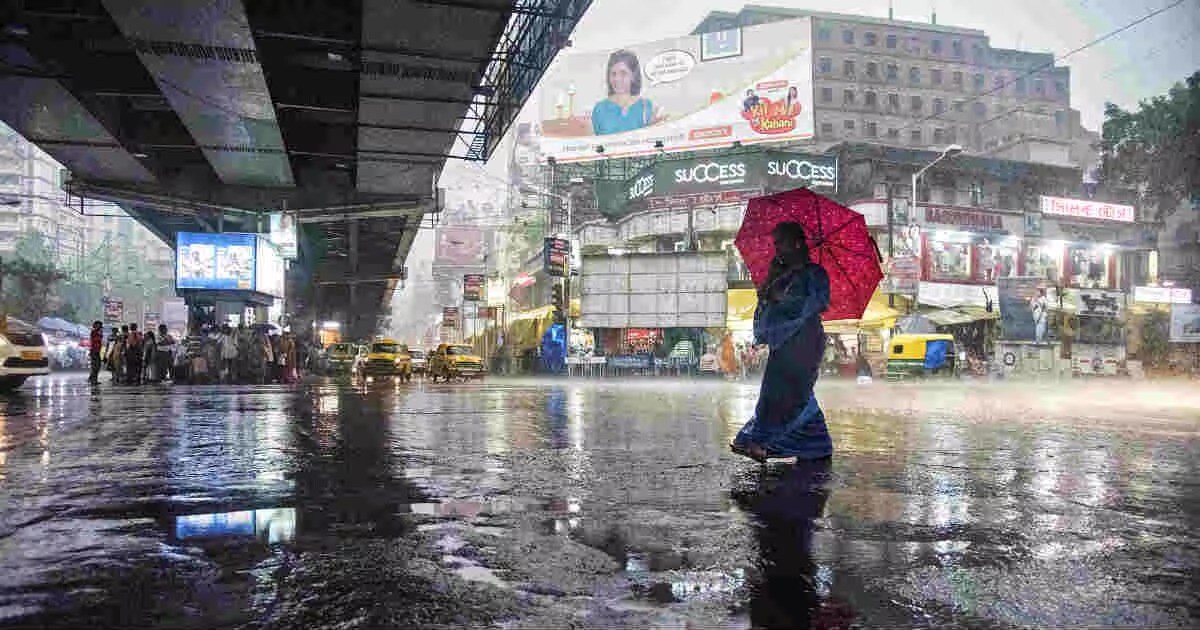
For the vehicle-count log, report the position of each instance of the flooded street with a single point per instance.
(548, 504)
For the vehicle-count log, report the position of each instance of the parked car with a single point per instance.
(23, 353)
(342, 357)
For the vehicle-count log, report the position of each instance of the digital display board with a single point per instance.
(268, 269)
(215, 261)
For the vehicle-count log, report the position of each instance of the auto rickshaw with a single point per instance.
(921, 356)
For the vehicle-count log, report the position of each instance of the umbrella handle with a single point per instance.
(876, 246)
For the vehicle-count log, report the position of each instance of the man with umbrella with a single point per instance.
(797, 288)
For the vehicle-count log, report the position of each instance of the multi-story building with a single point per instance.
(926, 85)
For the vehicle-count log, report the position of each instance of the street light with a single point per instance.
(948, 152)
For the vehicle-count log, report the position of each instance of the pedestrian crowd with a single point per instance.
(245, 355)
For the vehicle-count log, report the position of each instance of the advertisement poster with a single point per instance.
(557, 256)
(903, 276)
(214, 261)
(450, 317)
(1018, 298)
(284, 235)
(473, 284)
(1100, 303)
(114, 309)
(720, 179)
(749, 85)
(1185, 323)
(459, 246)
(268, 269)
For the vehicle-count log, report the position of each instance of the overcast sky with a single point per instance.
(1141, 62)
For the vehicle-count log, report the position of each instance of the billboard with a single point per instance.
(746, 85)
(728, 179)
(1087, 209)
(663, 290)
(459, 246)
(283, 234)
(214, 261)
(1016, 297)
(556, 253)
(450, 317)
(268, 269)
(473, 287)
(1185, 323)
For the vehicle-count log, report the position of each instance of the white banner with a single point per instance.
(1185, 323)
(1162, 295)
(1087, 209)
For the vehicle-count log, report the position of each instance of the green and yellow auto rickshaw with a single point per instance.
(921, 356)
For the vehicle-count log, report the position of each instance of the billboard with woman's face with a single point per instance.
(749, 85)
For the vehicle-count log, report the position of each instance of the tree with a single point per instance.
(1156, 149)
(29, 288)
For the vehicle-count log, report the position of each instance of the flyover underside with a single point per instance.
(203, 115)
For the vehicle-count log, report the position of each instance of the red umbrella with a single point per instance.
(838, 240)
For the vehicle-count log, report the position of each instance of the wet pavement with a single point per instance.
(553, 504)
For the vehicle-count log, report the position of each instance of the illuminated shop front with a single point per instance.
(1075, 242)
(969, 246)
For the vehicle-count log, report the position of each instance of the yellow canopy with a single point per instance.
(739, 309)
(878, 315)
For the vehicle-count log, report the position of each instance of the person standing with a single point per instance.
(229, 354)
(1038, 306)
(149, 352)
(165, 357)
(95, 351)
(787, 420)
(133, 356)
(116, 354)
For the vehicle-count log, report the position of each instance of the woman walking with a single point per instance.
(787, 420)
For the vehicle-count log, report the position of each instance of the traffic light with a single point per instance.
(556, 300)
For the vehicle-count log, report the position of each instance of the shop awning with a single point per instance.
(878, 315)
(739, 309)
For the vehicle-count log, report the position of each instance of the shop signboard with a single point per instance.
(1016, 298)
(269, 269)
(686, 96)
(1162, 295)
(215, 261)
(283, 234)
(114, 309)
(630, 361)
(1100, 303)
(903, 276)
(966, 220)
(152, 320)
(716, 180)
(1185, 323)
(473, 287)
(450, 317)
(1087, 209)
(459, 247)
(556, 257)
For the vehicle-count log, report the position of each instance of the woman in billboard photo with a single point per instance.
(625, 109)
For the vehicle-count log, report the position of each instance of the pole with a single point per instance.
(567, 278)
(891, 221)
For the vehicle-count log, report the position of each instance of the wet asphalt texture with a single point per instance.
(596, 504)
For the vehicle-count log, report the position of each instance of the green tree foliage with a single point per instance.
(29, 288)
(1156, 148)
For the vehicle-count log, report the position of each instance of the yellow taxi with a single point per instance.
(455, 360)
(387, 357)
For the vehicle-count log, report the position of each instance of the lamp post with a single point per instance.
(566, 280)
(948, 152)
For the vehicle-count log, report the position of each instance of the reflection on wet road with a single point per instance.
(595, 504)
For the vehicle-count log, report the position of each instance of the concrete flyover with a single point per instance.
(205, 115)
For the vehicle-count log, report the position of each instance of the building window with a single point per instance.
(939, 105)
(1039, 87)
(980, 109)
(825, 65)
(951, 136)
(950, 256)
(848, 97)
(893, 72)
(917, 104)
(956, 48)
(826, 95)
(827, 129)
(998, 83)
(1060, 121)
(871, 99)
(848, 68)
(848, 125)
(894, 102)
(893, 133)
(872, 70)
(824, 34)
(960, 106)
(1019, 86)
(935, 46)
(914, 75)
(979, 81)
(848, 37)
(891, 41)
(977, 53)
(915, 136)
(870, 39)
(935, 76)
(1060, 88)
(939, 136)
(872, 129)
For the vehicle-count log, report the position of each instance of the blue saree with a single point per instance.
(787, 420)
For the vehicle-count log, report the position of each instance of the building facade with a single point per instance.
(925, 85)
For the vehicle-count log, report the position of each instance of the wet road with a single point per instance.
(523, 504)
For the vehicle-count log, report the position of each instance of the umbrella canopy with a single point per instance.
(838, 240)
